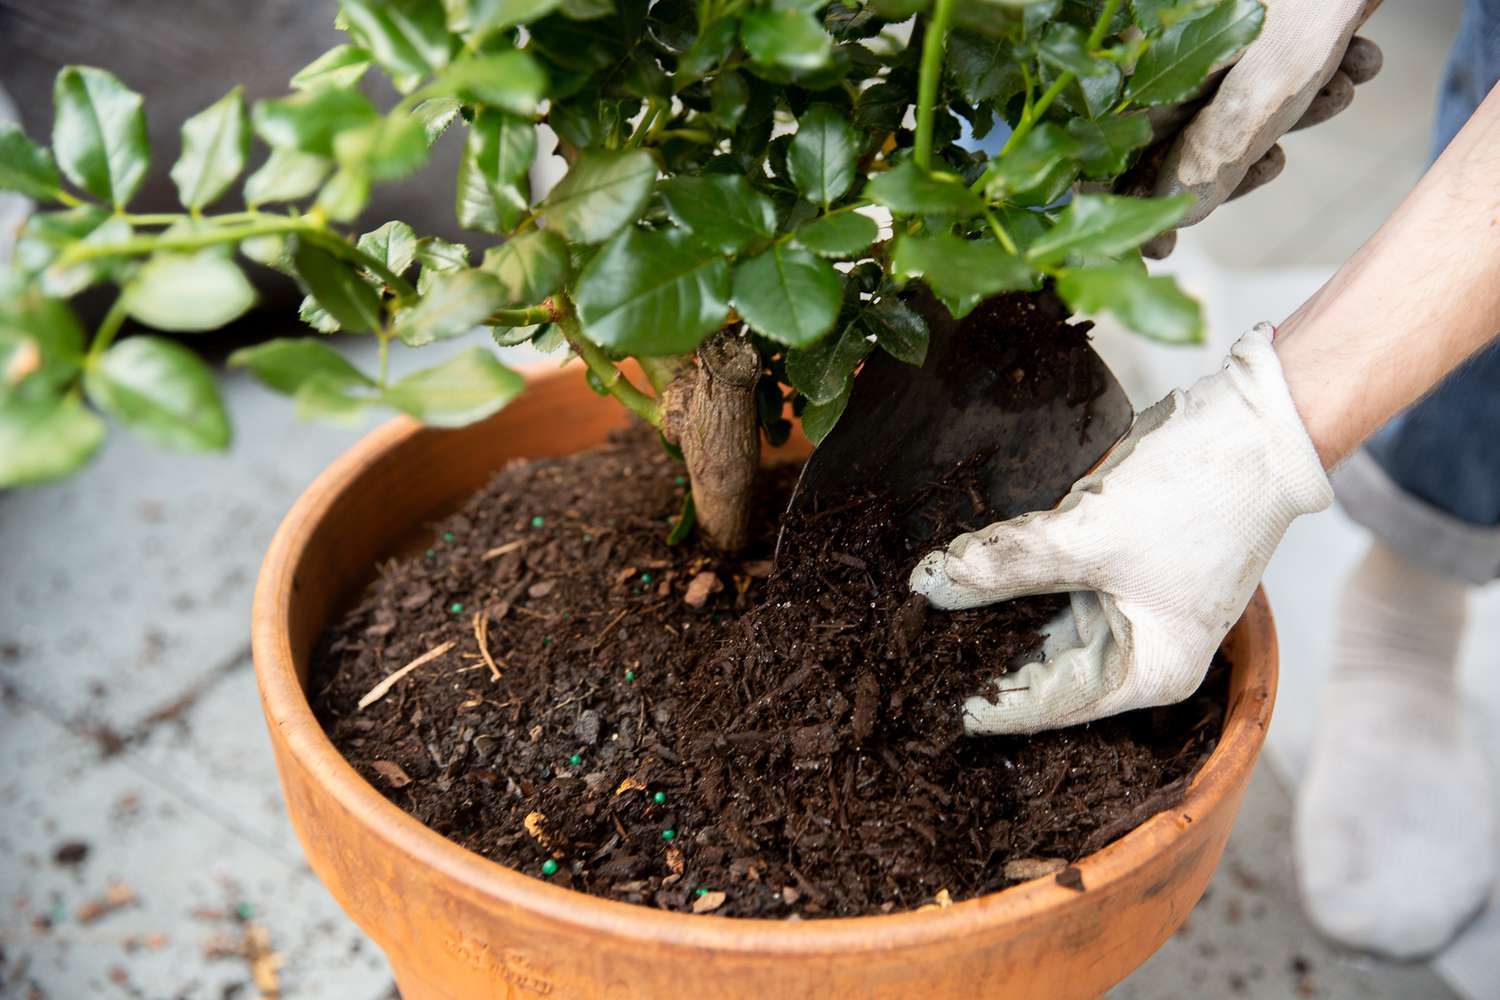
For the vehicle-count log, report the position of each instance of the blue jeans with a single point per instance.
(1428, 483)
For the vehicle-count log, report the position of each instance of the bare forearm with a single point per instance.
(1416, 300)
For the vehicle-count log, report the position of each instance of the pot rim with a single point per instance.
(288, 709)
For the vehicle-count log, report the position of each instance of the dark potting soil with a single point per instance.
(791, 747)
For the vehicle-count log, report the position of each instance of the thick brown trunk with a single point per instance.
(710, 415)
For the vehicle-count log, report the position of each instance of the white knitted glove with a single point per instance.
(1161, 548)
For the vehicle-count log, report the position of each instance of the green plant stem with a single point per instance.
(999, 231)
(613, 380)
(524, 316)
(108, 327)
(660, 371)
(1101, 26)
(653, 109)
(927, 83)
(385, 356)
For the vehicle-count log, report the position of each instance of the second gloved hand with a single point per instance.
(1161, 548)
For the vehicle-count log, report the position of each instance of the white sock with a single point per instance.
(1395, 824)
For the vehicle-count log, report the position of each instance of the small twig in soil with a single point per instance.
(379, 690)
(482, 636)
(606, 630)
(500, 550)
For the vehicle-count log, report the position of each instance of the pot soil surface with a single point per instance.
(677, 729)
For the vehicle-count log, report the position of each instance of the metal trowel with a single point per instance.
(1011, 389)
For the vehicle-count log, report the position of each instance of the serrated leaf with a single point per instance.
(488, 16)
(44, 438)
(309, 121)
(711, 46)
(822, 157)
(393, 244)
(467, 387)
(1065, 48)
(337, 288)
(453, 304)
(983, 69)
(494, 193)
(960, 272)
(511, 81)
(99, 133)
(287, 174)
(1153, 306)
(1030, 163)
(727, 98)
(721, 210)
(286, 364)
(436, 114)
(316, 316)
(26, 166)
(1107, 225)
(787, 294)
(652, 293)
(437, 256)
(907, 189)
(408, 37)
(1105, 144)
(898, 329)
(603, 192)
(1174, 65)
(790, 38)
(843, 234)
(388, 149)
(160, 390)
(818, 419)
(185, 293)
(340, 66)
(346, 194)
(822, 372)
(215, 143)
(529, 267)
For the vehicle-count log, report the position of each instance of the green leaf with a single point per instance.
(652, 293)
(1105, 144)
(186, 293)
(346, 194)
(604, 191)
(309, 121)
(898, 329)
(530, 267)
(215, 143)
(683, 526)
(453, 304)
(437, 256)
(787, 294)
(818, 419)
(843, 234)
(337, 288)
(340, 66)
(99, 133)
(408, 37)
(822, 372)
(823, 154)
(45, 236)
(41, 345)
(26, 166)
(436, 114)
(1153, 14)
(316, 316)
(465, 388)
(286, 364)
(983, 69)
(494, 192)
(790, 38)
(1107, 225)
(1174, 66)
(727, 98)
(1153, 306)
(286, 175)
(960, 272)
(488, 16)
(330, 400)
(388, 149)
(907, 189)
(160, 390)
(393, 244)
(710, 48)
(1031, 162)
(722, 211)
(509, 81)
(1065, 48)
(45, 438)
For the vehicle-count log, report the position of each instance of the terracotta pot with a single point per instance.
(460, 927)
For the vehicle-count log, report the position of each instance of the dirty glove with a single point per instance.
(1160, 547)
(1300, 71)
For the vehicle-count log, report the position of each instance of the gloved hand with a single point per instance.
(1301, 70)
(1161, 548)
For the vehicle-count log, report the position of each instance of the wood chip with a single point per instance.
(535, 824)
(631, 784)
(1022, 869)
(482, 637)
(117, 896)
(939, 902)
(624, 574)
(701, 586)
(709, 902)
(265, 962)
(380, 690)
(391, 772)
(541, 589)
(500, 550)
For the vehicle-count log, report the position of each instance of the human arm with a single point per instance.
(1163, 545)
